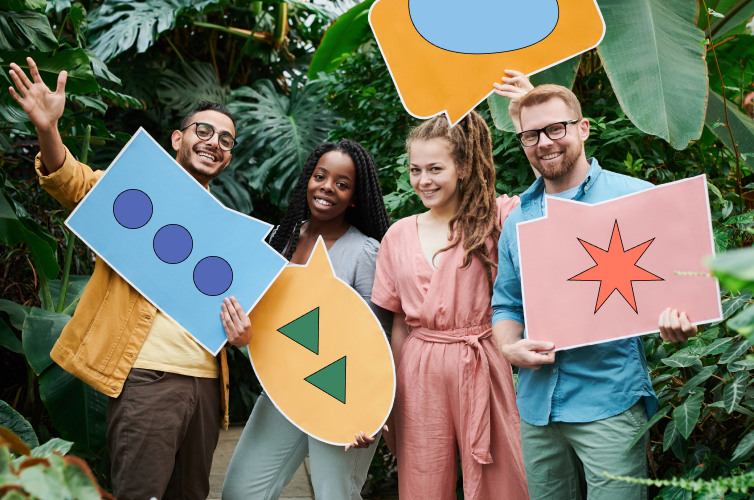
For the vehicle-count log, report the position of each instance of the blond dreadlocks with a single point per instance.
(476, 219)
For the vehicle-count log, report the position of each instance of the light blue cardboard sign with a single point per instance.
(158, 228)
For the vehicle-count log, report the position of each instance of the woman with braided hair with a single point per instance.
(435, 272)
(337, 197)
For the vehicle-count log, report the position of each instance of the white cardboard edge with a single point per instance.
(321, 241)
(269, 228)
(661, 186)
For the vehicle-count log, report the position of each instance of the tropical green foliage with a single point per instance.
(44, 471)
(665, 93)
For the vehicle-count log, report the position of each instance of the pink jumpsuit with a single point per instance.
(455, 389)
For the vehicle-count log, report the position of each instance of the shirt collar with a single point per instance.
(537, 189)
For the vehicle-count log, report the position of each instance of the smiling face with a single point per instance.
(433, 174)
(204, 160)
(332, 187)
(561, 162)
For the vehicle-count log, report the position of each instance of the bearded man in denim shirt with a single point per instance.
(579, 408)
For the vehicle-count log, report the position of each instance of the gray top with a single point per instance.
(354, 257)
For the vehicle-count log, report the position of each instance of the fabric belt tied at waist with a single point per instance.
(474, 376)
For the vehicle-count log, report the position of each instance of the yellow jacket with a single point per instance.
(100, 343)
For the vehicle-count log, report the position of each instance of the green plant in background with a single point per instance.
(282, 129)
(668, 75)
(44, 471)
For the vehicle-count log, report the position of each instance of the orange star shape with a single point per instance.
(616, 269)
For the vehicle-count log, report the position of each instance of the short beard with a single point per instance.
(184, 160)
(565, 167)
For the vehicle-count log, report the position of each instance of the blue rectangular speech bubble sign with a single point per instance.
(171, 240)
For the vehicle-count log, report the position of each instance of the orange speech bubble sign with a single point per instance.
(431, 80)
(320, 353)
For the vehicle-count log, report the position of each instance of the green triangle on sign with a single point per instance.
(304, 330)
(331, 379)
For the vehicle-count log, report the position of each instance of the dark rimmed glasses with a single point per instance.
(204, 131)
(553, 131)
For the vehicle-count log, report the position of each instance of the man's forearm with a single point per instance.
(51, 148)
(506, 332)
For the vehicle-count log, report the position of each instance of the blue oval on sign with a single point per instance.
(483, 26)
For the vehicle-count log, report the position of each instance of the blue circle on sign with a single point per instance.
(132, 209)
(213, 276)
(173, 244)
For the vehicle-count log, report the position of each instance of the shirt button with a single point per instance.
(554, 370)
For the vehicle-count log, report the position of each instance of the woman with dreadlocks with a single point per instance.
(435, 272)
(337, 197)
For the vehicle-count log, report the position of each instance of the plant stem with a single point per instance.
(70, 242)
(739, 189)
(170, 42)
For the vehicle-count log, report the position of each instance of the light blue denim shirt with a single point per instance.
(587, 383)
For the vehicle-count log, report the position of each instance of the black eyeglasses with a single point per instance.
(553, 131)
(204, 131)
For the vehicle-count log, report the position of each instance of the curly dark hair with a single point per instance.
(368, 216)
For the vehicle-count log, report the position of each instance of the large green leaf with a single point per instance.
(76, 409)
(16, 312)
(733, 353)
(692, 385)
(735, 269)
(8, 339)
(281, 129)
(11, 419)
(561, 74)
(26, 31)
(76, 285)
(14, 230)
(231, 192)
(193, 82)
(745, 447)
(117, 25)
(741, 125)
(743, 323)
(736, 17)
(41, 330)
(21, 5)
(348, 32)
(75, 61)
(734, 390)
(654, 57)
(686, 415)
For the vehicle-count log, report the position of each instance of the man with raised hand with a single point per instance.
(579, 408)
(168, 395)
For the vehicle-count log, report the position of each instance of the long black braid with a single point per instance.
(368, 216)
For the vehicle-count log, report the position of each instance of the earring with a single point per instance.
(353, 205)
(460, 185)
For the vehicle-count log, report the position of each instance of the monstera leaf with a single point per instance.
(26, 30)
(282, 130)
(181, 89)
(118, 25)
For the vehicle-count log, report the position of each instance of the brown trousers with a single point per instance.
(161, 433)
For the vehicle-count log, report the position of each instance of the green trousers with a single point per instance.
(567, 460)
